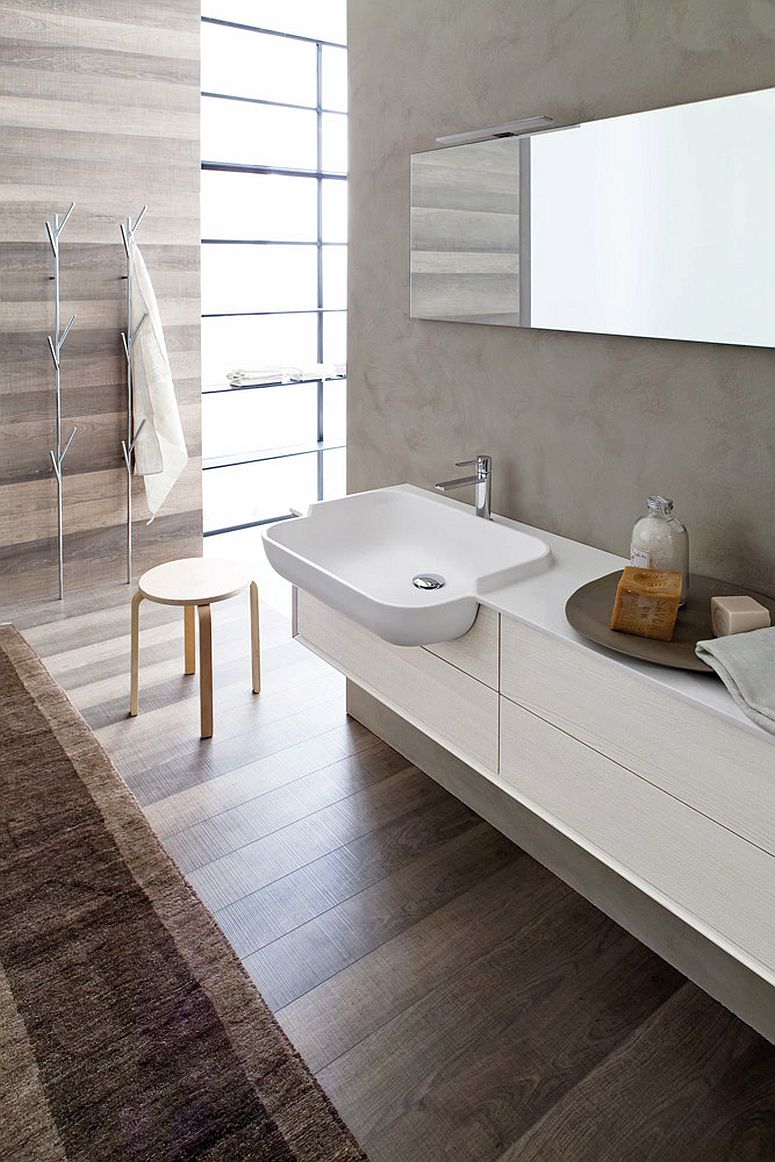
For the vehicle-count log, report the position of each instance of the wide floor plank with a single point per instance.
(224, 880)
(691, 1083)
(556, 990)
(284, 971)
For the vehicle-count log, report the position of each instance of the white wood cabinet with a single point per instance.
(652, 792)
(717, 769)
(695, 866)
(439, 696)
(478, 652)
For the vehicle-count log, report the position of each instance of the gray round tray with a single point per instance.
(589, 611)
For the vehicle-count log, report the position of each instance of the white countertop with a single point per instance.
(539, 601)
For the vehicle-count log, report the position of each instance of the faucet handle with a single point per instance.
(484, 463)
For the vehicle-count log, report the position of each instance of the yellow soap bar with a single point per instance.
(647, 603)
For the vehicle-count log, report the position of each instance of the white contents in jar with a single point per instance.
(654, 540)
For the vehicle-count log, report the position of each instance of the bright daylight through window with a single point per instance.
(274, 257)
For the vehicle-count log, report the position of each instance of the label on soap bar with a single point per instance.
(640, 558)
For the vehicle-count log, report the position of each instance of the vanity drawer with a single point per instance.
(476, 653)
(455, 709)
(717, 768)
(722, 884)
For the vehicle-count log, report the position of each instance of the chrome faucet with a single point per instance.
(481, 479)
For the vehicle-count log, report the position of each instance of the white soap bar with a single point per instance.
(737, 615)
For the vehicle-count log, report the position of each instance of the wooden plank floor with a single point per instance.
(456, 1000)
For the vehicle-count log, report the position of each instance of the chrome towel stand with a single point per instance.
(55, 344)
(128, 229)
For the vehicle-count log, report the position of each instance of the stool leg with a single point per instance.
(206, 670)
(135, 664)
(189, 633)
(255, 638)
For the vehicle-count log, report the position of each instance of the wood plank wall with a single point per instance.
(99, 104)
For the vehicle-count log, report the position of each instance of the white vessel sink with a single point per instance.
(360, 555)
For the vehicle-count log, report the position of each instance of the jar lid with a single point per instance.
(661, 504)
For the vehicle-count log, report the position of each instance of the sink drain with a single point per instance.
(428, 581)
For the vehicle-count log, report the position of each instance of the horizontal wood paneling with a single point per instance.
(104, 146)
(166, 14)
(130, 121)
(80, 87)
(99, 104)
(96, 428)
(51, 22)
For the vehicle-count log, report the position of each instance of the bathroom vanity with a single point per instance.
(644, 788)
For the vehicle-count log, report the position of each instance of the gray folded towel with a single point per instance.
(745, 662)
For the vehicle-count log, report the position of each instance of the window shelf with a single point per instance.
(251, 524)
(221, 390)
(286, 171)
(266, 242)
(270, 454)
(281, 311)
(273, 104)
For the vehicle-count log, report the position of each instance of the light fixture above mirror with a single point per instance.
(509, 129)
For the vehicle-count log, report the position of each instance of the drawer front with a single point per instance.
(476, 653)
(453, 708)
(714, 767)
(719, 879)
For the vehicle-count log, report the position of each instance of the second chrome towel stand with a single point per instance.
(128, 230)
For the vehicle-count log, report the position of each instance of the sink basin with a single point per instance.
(360, 555)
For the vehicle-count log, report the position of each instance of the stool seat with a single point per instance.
(195, 583)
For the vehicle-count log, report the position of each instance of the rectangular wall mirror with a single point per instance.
(659, 224)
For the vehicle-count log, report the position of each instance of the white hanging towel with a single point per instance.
(160, 448)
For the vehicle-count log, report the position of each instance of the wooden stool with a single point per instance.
(196, 583)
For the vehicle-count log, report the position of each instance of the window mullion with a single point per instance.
(320, 389)
(271, 32)
(283, 171)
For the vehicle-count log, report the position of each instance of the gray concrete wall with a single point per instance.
(582, 427)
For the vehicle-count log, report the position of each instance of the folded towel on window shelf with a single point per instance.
(160, 446)
(240, 377)
(745, 662)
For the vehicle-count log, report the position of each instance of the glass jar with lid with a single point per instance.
(660, 541)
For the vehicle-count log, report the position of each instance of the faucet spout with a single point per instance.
(450, 485)
(481, 480)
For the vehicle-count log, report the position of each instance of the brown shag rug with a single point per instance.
(128, 1027)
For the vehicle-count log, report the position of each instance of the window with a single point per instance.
(274, 263)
